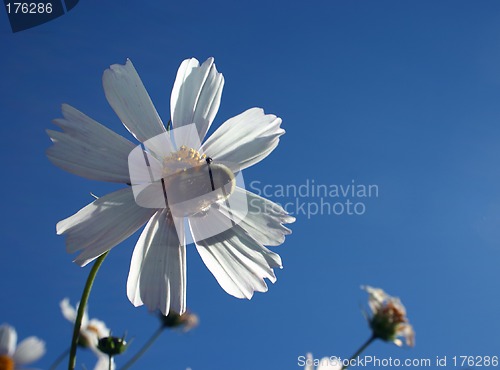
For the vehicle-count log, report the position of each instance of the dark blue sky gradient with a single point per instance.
(404, 95)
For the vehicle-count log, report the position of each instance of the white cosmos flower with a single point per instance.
(12, 355)
(236, 257)
(91, 331)
(324, 364)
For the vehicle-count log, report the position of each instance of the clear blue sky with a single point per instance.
(403, 95)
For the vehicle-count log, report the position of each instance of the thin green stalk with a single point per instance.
(144, 348)
(59, 360)
(361, 349)
(81, 309)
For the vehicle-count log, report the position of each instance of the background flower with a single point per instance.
(90, 332)
(388, 320)
(324, 364)
(14, 355)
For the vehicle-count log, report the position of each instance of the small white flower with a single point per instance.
(12, 355)
(91, 331)
(388, 320)
(236, 257)
(324, 364)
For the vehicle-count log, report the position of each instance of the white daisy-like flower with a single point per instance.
(388, 320)
(12, 355)
(91, 331)
(324, 364)
(237, 257)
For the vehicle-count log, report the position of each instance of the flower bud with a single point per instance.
(112, 346)
(186, 321)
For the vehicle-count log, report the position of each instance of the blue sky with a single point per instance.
(403, 95)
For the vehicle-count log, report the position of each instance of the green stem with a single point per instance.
(81, 309)
(361, 349)
(59, 360)
(144, 348)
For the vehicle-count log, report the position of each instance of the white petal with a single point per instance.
(196, 96)
(245, 139)
(69, 312)
(375, 293)
(29, 350)
(92, 331)
(376, 297)
(88, 338)
(407, 332)
(103, 224)
(88, 149)
(8, 340)
(264, 219)
(157, 276)
(326, 364)
(98, 326)
(103, 361)
(238, 262)
(309, 362)
(398, 342)
(129, 99)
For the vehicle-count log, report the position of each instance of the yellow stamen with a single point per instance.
(393, 313)
(193, 184)
(93, 329)
(6, 363)
(181, 160)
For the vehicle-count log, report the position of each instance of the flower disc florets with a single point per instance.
(6, 363)
(388, 320)
(195, 182)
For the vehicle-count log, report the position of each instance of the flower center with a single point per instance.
(93, 329)
(6, 363)
(192, 182)
(393, 313)
(183, 159)
(88, 336)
